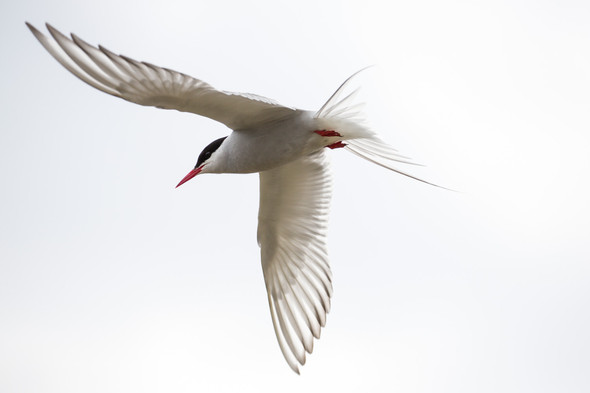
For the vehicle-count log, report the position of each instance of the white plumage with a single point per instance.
(285, 145)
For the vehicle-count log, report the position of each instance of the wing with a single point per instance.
(292, 225)
(150, 85)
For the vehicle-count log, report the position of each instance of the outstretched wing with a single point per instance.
(150, 85)
(292, 225)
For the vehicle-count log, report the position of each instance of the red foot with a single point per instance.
(327, 133)
(336, 145)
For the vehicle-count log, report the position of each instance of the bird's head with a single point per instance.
(206, 158)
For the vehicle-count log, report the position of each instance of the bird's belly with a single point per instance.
(267, 148)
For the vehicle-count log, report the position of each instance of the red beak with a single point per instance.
(190, 175)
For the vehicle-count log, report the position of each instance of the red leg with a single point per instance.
(327, 133)
(336, 145)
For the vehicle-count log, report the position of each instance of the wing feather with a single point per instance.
(294, 203)
(146, 84)
(301, 325)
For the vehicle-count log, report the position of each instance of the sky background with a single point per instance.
(111, 280)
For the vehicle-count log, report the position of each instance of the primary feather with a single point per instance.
(150, 85)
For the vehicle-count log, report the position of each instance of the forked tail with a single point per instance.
(342, 113)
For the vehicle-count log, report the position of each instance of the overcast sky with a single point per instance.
(111, 280)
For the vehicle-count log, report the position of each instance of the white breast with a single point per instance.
(269, 146)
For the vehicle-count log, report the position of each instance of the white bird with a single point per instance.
(285, 145)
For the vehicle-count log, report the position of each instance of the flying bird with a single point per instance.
(286, 146)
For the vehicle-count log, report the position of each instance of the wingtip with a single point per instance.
(54, 32)
(32, 28)
(38, 35)
(105, 51)
(79, 41)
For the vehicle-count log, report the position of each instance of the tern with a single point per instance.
(286, 146)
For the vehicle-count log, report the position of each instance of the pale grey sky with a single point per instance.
(112, 280)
